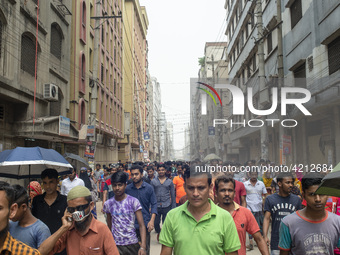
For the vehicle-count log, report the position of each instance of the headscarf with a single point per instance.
(34, 189)
(86, 179)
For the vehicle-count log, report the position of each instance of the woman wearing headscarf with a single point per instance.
(34, 189)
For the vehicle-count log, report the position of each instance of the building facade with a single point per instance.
(310, 32)
(35, 95)
(135, 79)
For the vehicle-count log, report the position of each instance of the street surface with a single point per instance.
(155, 246)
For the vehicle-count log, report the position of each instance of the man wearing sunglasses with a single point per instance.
(80, 233)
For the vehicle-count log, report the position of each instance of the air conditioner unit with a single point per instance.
(50, 92)
(99, 138)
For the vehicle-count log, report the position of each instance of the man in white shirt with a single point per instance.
(70, 182)
(256, 193)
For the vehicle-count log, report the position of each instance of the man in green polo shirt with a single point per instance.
(199, 226)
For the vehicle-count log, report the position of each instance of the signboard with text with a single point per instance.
(64, 126)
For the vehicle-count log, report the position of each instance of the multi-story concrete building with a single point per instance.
(310, 31)
(35, 94)
(311, 51)
(156, 113)
(205, 138)
(103, 74)
(134, 90)
(169, 145)
(149, 127)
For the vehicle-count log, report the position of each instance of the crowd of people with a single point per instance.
(192, 212)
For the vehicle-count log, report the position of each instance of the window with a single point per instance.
(102, 73)
(82, 72)
(300, 76)
(27, 54)
(103, 38)
(83, 22)
(334, 55)
(254, 63)
(56, 40)
(295, 12)
(82, 115)
(2, 112)
(269, 42)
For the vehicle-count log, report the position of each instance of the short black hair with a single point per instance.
(225, 179)
(149, 168)
(311, 179)
(98, 165)
(282, 175)
(119, 177)
(134, 167)
(193, 173)
(162, 165)
(10, 193)
(50, 173)
(21, 196)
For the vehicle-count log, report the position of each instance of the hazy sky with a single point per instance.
(177, 33)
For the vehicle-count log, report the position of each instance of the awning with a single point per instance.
(45, 128)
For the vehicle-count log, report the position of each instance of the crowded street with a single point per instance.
(182, 127)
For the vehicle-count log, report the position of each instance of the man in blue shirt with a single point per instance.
(145, 194)
(165, 193)
(24, 226)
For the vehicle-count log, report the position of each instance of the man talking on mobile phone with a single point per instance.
(80, 233)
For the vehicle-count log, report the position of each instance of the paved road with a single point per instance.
(155, 246)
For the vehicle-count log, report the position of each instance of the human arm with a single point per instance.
(142, 231)
(63, 189)
(243, 201)
(151, 223)
(104, 197)
(109, 220)
(166, 250)
(266, 222)
(172, 195)
(47, 246)
(263, 247)
(153, 202)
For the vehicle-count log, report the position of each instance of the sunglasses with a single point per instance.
(78, 208)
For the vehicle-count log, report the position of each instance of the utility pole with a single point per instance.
(280, 74)
(94, 89)
(264, 98)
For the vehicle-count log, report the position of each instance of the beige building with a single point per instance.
(107, 80)
(33, 99)
(134, 90)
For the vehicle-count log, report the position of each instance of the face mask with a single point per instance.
(79, 215)
(88, 174)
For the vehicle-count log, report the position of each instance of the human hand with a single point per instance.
(150, 226)
(141, 251)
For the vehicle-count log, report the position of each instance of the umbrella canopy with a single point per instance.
(76, 160)
(330, 184)
(211, 156)
(29, 162)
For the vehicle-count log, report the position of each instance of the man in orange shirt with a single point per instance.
(179, 182)
(80, 233)
(243, 218)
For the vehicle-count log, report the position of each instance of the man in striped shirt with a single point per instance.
(9, 245)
